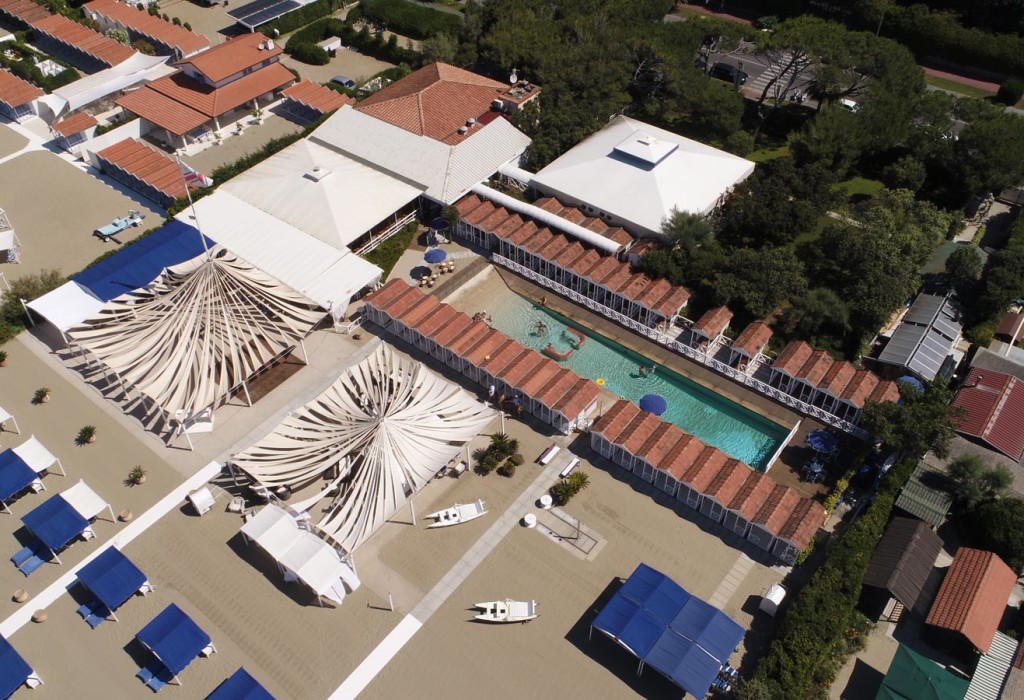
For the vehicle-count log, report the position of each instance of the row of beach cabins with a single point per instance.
(593, 264)
(749, 502)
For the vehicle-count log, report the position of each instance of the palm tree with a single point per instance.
(578, 481)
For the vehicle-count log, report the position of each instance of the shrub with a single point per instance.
(409, 19)
(311, 54)
(833, 498)
(507, 469)
(517, 459)
(386, 255)
(28, 288)
(1010, 91)
(562, 493)
(297, 18)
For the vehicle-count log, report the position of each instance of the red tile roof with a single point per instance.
(886, 390)
(233, 56)
(146, 164)
(793, 357)
(973, 596)
(317, 97)
(14, 91)
(816, 367)
(777, 508)
(434, 101)
(1011, 327)
(180, 104)
(640, 432)
(87, 41)
(860, 387)
(436, 321)
(728, 481)
(536, 382)
(714, 321)
(617, 417)
(25, 10)
(754, 492)
(803, 523)
(578, 399)
(753, 338)
(838, 378)
(393, 289)
(150, 26)
(994, 410)
(703, 470)
(686, 450)
(74, 124)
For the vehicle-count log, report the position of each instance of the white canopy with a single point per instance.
(139, 68)
(37, 457)
(199, 331)
(86, 501)
(274, 529)
(67, 305)
(322, 192)
(397, 422)
(328, 275)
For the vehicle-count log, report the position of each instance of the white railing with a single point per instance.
(674, 344)
(388, 233)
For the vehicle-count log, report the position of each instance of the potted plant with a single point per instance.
(42, 395)
(257, 115)
(3, 358)
(87, 435)
(137, 475)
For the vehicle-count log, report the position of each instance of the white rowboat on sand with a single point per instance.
(507, 611)
(458, 513)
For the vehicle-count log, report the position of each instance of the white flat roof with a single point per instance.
(327, 275)
(638, 173)
(322, 192)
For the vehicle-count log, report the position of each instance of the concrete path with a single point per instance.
(436, 597)
(727, 588)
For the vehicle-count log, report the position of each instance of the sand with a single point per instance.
(10, 141)
(54, 207)
(234, 147)
(352, 64)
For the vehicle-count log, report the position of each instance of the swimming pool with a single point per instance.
(716, 420)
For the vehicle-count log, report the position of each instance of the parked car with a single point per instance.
(344, 81)
(849, 105)
(728, 73)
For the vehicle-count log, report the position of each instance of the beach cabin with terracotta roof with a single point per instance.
(748, 346)
(308, 101)
(800, 528)
(993, 405)
(698, 477)
(649, 455)
(143, 169)
(709, 329)
(17, 97)
(788, 364)
(167, 39)
(73, 130)
(741, 510)
(811, 375)
(213, 89)
(606, 429)
(23, 12)
(771, 517)
(78, 45)
(674, 463)
(856, 394)
(830, 389)
(638, 436)
(971, 602)
(723, 488)
(574, 408)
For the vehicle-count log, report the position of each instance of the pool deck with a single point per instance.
(785, 470)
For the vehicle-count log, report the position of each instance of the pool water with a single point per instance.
(716, 420)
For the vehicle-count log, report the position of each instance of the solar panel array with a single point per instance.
(260, 12)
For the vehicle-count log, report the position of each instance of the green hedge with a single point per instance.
(310, 54)
(369, 44)
(407, 18)
(28, 71)
(299, 18)
(386, 255)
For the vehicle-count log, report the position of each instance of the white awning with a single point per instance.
(273, 529)
(329, 276)
(37, 457)
(137, 69)
(84, 500)
(314, 562)
(67, 306)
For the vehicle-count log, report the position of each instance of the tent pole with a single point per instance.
(305, 357)
(248, 397)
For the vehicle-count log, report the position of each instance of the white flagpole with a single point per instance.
(192, 206)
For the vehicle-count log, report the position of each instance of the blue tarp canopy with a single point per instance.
(241, 686)
(55, 522)
(174, 638)
(112, 578)
(15, 475)
(139, 263)
(13, 669)
(680, 636)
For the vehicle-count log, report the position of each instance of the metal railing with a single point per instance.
(376, 240)
(704, 358)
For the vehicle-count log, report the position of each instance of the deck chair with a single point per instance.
(202, 500)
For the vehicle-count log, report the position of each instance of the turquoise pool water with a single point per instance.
(716, 420)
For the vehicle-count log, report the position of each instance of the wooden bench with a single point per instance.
(573, 463)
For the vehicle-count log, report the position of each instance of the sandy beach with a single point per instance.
(10, 141)
(54, 207)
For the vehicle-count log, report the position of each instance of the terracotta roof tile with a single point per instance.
(485, 345)
(885, 391)
(520, 370)
(803, 523)
(579, 397)
(14, 91)
(553, 392)
(87, 41)
(317, 97)
(25, 10)
(838, 378)
(73, 124)
(640, 431)
(536, 382)
(973, 596)
(455, 328)
(755, 492)
(480, 212)
(394, 288)
(704, 469)
(162, 111)
(147, 165)
(233, 56)
(728, 481)
(614, 419)
(714, 321)
(434, 101)
(860, 387)
(681, 456)
(753, 338)
(152, 27)
(214, 102)
(816, 367)
(793, 357)
(777, 509)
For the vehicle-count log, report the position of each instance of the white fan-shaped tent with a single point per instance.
(388, 424)
(198, 331)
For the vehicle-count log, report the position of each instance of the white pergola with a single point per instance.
(387, 425)
(197, 332)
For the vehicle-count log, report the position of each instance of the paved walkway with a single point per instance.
(727, 588)
(436, 597)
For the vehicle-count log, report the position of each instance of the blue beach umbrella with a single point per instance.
(822, 441)
(439, 224)
(911, 380)
(652, 403)
(435, 255)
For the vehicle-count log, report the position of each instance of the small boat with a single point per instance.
(458, 513)
(507, 611)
